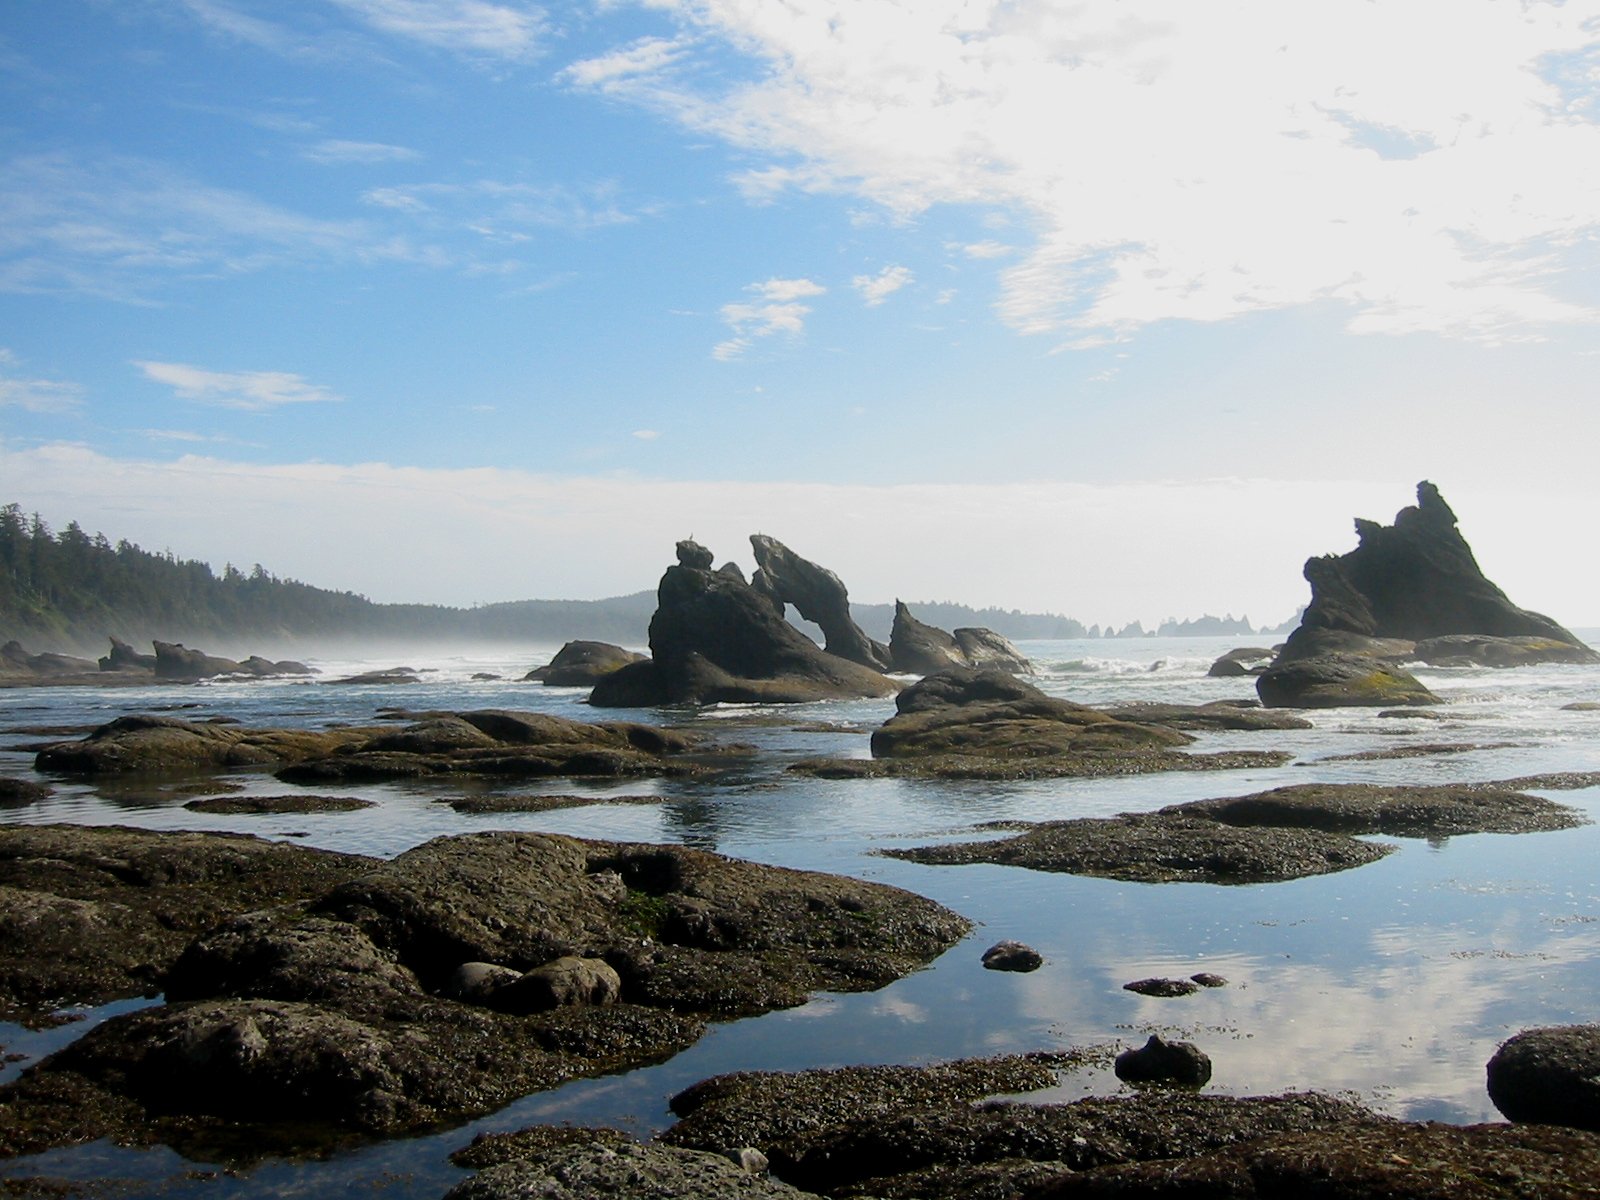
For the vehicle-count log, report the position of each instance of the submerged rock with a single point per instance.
(461, 974)
(583, 664)
(1286, 833)
(716, 639)
(1012, 956)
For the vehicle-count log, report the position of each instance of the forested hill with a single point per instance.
(72, 591)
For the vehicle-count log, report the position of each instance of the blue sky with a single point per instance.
(1114, 310)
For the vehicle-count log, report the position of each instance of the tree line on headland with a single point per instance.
(72, 590)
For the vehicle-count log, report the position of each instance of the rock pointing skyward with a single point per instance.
(1411, 591)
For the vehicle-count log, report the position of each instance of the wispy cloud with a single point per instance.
(777, 309)
(476, 27)
(1198, 163)
(639, 60)
(647, 435)
(115, 227)
(875, 289)
(248, 390)
(504, 211)
(35, 395)
(337, 152)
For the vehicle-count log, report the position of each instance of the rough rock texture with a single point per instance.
(610, 1172)
(916, 648)
(819, 596)
(501, 743)
(1549, 1077)
(272, 805)
(140, 744)
(833, 1132)
(716, 639)
(969, 723)
(582, 664)
(1413, 580)
(90, 915)
(1476, 650)
(488, 742)
(1161, 848)
(1401, 811)
(19, 793)
(1239, 715)
(349, 1009)
(1286, 833)
(1338, 681)
(1362, 1161)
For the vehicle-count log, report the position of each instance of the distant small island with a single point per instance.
(71, 591)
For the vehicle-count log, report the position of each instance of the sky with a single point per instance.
(1114, 310)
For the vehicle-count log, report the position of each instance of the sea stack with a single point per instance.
(1410, 591)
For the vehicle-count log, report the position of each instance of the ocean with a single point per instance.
(1392, 983)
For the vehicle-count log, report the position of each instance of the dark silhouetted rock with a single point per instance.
(1012, 956)
(1414, 581)
(18, 793)
(715, 639)
(581, 664)
(819, 596)
(383, 678)
(1161, 1061)
(124, 657)
(1549, 1077)
(1166, 989)
(1246, 660)
(1476, 650)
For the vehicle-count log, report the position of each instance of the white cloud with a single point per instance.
(1113, 552)
(777, 310)
(248, 390)
(35, 395)
(875, 289)
(337, 152)
(987, 249)
(642, 58)
(509, 31)
(647, 435)
(1428, 165)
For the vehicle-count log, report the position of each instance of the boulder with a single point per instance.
(1416, 580)
(1339, 681)
(1476, 650)
(581, 664)
(569, 981)
(715, 639)
(19, 793)
(916, 648)
(1012, 956)
(175, 661)
(819, 596)
(1161, 1061)
(152, 744)
(1549, 1076)
(1245, 660)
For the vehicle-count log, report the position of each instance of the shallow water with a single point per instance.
(1395, 981)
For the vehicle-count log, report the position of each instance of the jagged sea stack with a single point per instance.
(717, 639)
(1411, 591)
